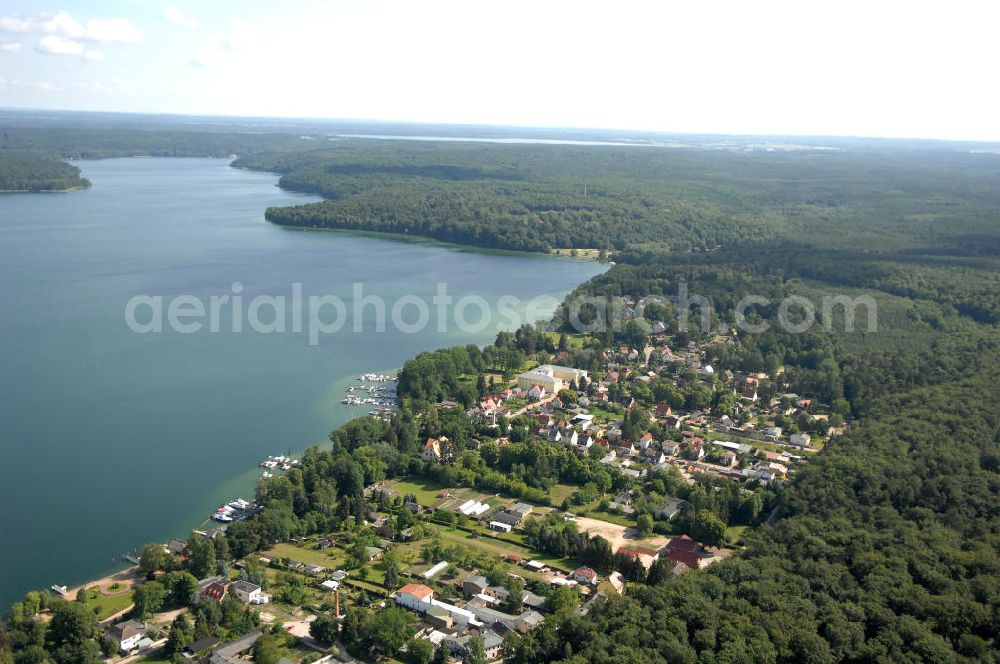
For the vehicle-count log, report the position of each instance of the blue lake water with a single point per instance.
(111, 438)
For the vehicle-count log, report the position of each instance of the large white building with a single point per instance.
(415, 596)
(553, 378)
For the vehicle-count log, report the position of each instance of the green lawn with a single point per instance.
(425, 492)
(735, 533)
(109, 604)
(330, 558)
(496, 547)
(560, 492)
(603, 414)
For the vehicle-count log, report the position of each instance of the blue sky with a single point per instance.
(872, 68)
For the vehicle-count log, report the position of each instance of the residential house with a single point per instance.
(128, 634)
(626, 449)
(615, 583)
(249, 593)
(669, 508)
(685, 550)
(415, 596)
(768, 471)
(800, 439)
(656, 457)
(492, 644)
(201, 645)
(475, 584)
(727, 459)
(235, 651)
(177, 547)
(643, 555)
(432, 450)
(585, 575)
(212, 588)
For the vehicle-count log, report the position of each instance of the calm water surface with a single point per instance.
(110, 438)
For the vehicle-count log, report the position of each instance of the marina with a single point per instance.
(377, 390)
(235, 510)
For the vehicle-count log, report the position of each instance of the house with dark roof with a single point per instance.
(492, 643)
(201, 644)
(669, 508)
(232, 653)
(127, 634)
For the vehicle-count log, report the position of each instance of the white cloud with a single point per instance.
(14, 25)
(57, 45)
(112, 31)
(10, 47)
(62, 24)
(179, 18)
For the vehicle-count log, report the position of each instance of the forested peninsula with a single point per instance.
(30, 171)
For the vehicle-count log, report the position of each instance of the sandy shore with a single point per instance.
(126, 578)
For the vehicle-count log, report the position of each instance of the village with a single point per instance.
(465, 571)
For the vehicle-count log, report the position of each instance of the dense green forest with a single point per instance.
(538, 197)
(106, 143)
(24, 170)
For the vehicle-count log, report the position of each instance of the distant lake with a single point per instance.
(112, 439)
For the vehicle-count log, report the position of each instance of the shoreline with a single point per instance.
(45, 191)
(426, 239)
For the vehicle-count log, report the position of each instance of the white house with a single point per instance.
(415, 596)
(432, 449)
(249, 593)
(128, 634)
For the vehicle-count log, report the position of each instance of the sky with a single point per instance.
(873, 68)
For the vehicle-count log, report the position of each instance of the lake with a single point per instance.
(113, 438)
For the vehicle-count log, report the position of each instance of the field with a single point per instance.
(560, 492)
(426, 492)
(329, 558)
(498, 548)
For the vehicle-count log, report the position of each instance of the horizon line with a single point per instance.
(490, 125)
